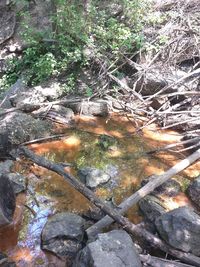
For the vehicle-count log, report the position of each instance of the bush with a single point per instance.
(75, 28)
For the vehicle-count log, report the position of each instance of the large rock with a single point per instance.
(18, 182)
(151, 208)
(58, 113)
(97, 108)
(7, 200)
(110, 249)
(63, 234)
(16, 89)
(194, 191)
(36, 95)
(6, 166)
(180, 228)
(18, 127)
(92, 177)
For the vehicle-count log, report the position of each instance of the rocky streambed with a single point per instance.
(107, 155)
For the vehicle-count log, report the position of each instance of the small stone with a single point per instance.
(92, 177)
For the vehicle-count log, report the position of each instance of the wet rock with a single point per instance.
(18, 127)
(6, 166)
(169, 188)
(92, 177)
(5, 262)
(151, 207)
(98, 108)
(194, 191)
(63, 234)
(7, 200)
(110, 249)
(18, 182)
(180, 228)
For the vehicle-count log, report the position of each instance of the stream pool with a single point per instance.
(94, 142)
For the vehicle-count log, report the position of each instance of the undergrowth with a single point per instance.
(107, 33)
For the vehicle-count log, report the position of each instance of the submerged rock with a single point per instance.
(63, 234)
(115, 249)
(7, 200)
(194, 191)
(92, 177)
(180, 228)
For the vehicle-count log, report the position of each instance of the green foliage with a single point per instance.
(51, 53)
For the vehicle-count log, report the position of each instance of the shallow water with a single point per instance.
(124, 152)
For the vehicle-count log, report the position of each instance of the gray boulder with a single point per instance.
(36, 95)
(16, 88)
(180, 228)
(6, 166)
(18, 127)
(18, 182)
(92, 177)
(97, 108)
(63, 234)
(7, 200)
(60, 113)
(194, 191)
(151, 208)
(115, 249)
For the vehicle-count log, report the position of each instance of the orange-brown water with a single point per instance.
(81, 148)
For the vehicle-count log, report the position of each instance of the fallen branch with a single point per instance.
(145, 190)
(43, 139)
(167, 147)
(158, 262)
(127, 225)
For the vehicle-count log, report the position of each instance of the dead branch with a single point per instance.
(44, 139)
(158, 262)
(125, 86)
(173, 145)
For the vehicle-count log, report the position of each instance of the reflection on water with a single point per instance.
(81, 147)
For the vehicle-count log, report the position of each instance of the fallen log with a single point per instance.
(156, 181)
(127, 225)
(158, 262)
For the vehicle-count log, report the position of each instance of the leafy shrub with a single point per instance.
(74, 28)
